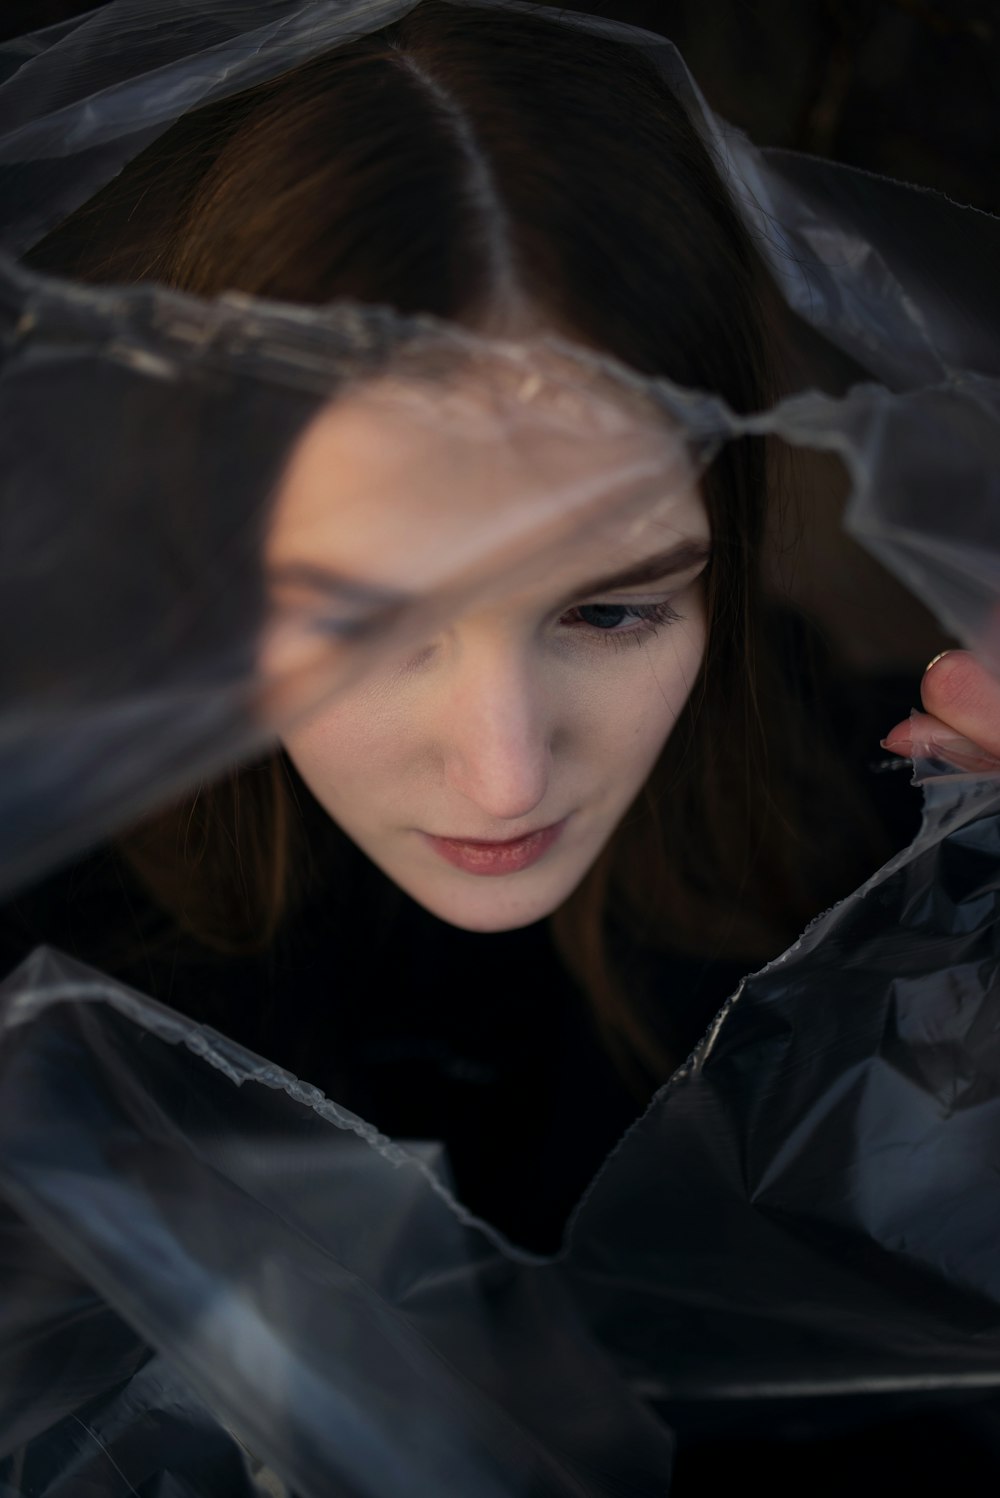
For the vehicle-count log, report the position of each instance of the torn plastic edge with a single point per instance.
(239, 1065)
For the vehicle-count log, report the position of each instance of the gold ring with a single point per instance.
(939, 657)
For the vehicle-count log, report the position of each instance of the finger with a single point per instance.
(899, 740)
(965, 697)
(922, 736)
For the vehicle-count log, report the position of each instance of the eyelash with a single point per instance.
(649, 617)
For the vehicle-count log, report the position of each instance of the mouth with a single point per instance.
(477, 857)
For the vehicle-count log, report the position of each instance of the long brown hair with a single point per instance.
(459, 162)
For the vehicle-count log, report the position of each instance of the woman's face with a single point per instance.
(484, 766)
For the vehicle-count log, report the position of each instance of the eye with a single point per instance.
(346, 627)
(620, 624)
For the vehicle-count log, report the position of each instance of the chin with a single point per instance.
(489, 911)
(486, 925)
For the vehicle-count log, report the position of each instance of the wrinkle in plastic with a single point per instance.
(196, 1241)
(240, 593)
(315, 1286)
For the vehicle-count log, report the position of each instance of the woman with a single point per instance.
(526, 778)
(496, 891)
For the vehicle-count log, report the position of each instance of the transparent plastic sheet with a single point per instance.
(139, 668)
(833, 1139)
(365, 1338)
(142, 666)
(837, 1129)
(315, 1287)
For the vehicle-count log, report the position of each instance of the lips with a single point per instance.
(496, 858)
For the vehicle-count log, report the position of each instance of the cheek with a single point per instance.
(366, 747)
(348, 751)
(644, 690)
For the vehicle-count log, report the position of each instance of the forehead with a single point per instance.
(410, 487)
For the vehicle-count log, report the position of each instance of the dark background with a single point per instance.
(907, 88)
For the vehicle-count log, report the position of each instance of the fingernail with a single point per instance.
(900, 744)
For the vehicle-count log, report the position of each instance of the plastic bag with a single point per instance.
(806, 1208)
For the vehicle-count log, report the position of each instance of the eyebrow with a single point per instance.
(362, 594)
(650, 570)
(352, 590)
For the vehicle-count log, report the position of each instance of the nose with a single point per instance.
(495, 731)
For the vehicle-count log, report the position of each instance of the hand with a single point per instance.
(961, 720)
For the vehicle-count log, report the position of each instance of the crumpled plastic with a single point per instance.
(208, 1266)
(143, 666)
(809, 1206)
